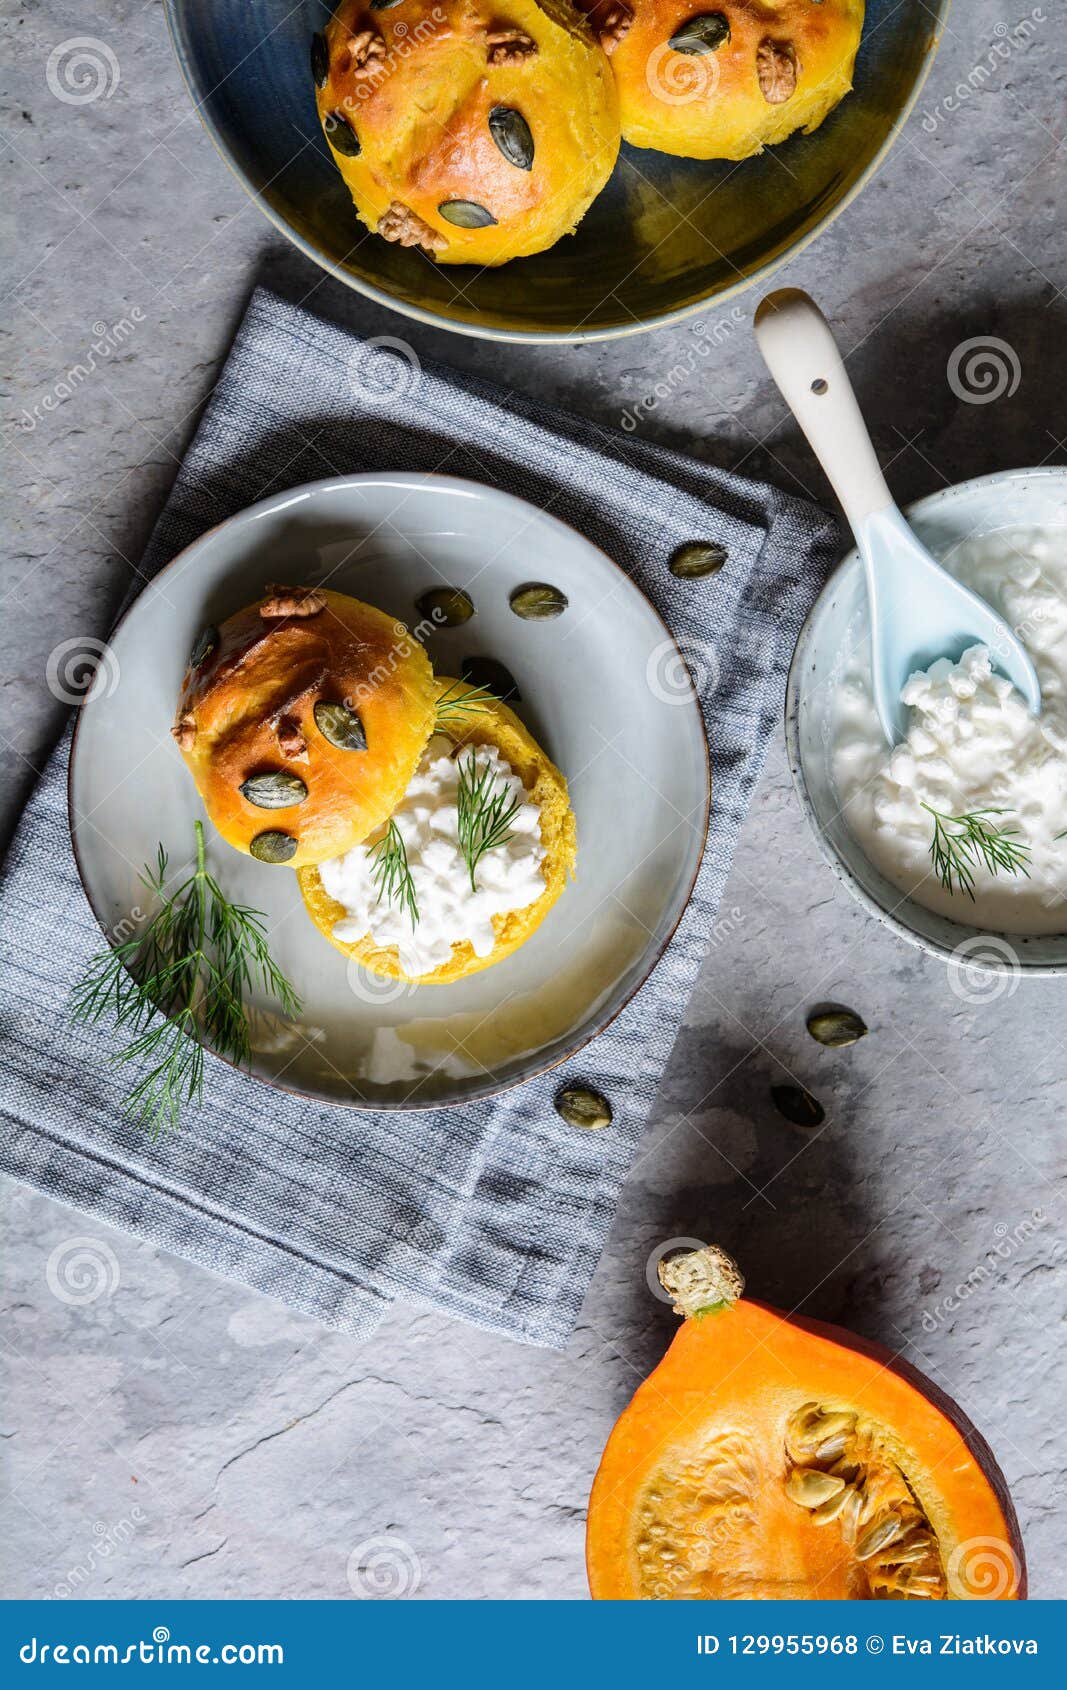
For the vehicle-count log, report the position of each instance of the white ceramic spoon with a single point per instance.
(918, 611)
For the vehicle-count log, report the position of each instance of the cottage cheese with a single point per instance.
(509, 877)
(972, 744)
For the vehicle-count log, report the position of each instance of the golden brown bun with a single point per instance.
(248, 709)
(488, 723)
(778, 66)
(413, 86)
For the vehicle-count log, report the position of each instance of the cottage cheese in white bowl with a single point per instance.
(972, 748)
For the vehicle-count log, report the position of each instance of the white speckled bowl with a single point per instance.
(838, 622)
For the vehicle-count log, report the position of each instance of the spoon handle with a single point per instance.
(802, 356)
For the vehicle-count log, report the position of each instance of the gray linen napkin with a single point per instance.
(495, 1213)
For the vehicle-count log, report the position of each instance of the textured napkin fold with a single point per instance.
(497, 1212)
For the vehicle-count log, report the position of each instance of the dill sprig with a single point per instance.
(180, 985)
(459, 702)
(960, 841)
(486, 808)
(391, 874)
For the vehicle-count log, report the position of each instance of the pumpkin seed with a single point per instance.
(831, 1425)
(798, 1106)
(831, 1450)
(488, 673)
(511, 132)
(276, 790)
(273, 847)
(580, 1107)
(703, 34)
(383, 5)
(320, 60)
(204, 645)
(449, 607)
(830, 1510)
(809, 1487)
(341, 135)
(692, 562)
(836, 1027)
(877, 1537)
(466, 214)
(538, 602)
(341, 726)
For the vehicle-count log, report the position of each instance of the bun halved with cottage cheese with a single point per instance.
(302, 720)
(483, 722)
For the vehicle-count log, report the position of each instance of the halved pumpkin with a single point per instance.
(772, 1457)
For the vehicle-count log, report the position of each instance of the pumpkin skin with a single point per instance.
(693, 1496)
(415, 130)
(711, 104)
(489, 722)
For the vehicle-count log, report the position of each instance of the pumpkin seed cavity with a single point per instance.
(466, 214)
(488, 673)
(341, 726)
(204, 645)
(449, 607)
(836, 1027)
(538, 602)
(693, 561)
(705, 33)
(798, 1106)
(320, 60)
(273, 847)
(511, 132)
(341, 135)
(581, 1107)
(276, 790)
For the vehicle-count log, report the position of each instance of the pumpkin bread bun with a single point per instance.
(729, 82)
(302, 720)
(480, 725)
(475, 130)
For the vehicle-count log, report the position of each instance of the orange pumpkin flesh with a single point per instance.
(771, 1457)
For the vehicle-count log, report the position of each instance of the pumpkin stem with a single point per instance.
(701, 1281)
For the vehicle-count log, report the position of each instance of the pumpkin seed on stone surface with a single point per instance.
(798, 1106)
(836, 1027)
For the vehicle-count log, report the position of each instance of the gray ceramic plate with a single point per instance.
(603, 688)
(837, 625)
(666, 236)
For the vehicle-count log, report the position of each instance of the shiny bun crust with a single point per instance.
(251, 711)
(505, 114)
(740, 77)
(488, 724)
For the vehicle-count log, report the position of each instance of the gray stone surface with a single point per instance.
(176, 1436)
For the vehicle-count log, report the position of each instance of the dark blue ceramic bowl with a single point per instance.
(666, 237)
